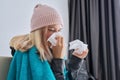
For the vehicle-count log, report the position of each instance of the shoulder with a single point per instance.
(15, 39)
(21, 42)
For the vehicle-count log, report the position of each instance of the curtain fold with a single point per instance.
(96, 22)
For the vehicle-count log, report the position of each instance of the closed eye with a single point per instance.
(53, 30)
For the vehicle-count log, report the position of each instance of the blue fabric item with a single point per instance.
(28, 66)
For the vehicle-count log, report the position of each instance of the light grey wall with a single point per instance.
(15, 18)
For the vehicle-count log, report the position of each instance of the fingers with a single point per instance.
(82, 55)
(58, 50)
(86, 51)
(60, 40)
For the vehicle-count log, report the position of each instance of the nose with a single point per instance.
(57, 30)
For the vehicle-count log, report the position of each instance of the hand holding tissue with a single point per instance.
(57, 45)
(78, 45)
(52, 39)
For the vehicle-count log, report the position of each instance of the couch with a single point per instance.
(4, 66)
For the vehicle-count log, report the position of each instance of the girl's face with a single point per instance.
(52, 29)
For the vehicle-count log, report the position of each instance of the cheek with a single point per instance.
(48, 35)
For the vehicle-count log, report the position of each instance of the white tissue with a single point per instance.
(52, 39)
(78, 45)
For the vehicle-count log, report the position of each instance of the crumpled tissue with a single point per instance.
(52, 39)
(78, 45)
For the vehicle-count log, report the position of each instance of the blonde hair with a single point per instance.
(35, 38)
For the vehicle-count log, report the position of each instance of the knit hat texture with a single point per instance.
(44, 15)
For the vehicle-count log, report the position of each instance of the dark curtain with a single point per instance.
(97, 23)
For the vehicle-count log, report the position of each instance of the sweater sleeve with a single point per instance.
(12, 51)
(77, 69)
(57, 66)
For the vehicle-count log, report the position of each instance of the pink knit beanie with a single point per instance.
(44, 15)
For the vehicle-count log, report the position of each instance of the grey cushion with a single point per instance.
(4, 67)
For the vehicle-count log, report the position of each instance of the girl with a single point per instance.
(34, 59)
